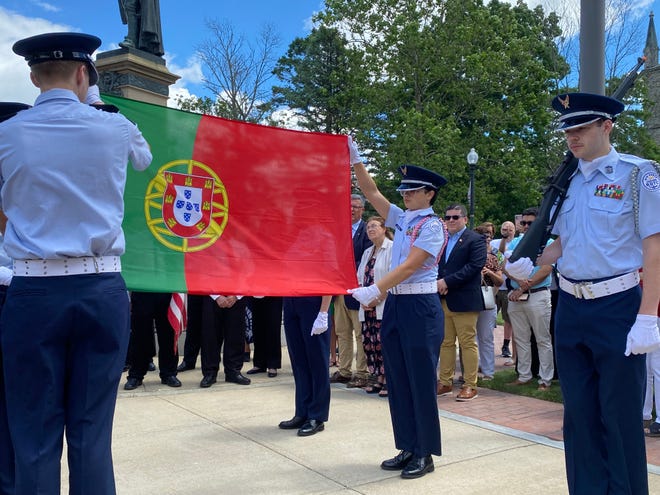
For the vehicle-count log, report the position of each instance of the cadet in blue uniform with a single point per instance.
(62, 172)
(7, 110)
(308, 342)
(413, 321)
(604, 322)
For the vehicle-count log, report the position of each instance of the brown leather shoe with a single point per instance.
(444, 390)
(543, 387)
(337, 377)
(467, 394)
(517, 383)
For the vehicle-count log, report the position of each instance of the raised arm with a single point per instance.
(366, 182)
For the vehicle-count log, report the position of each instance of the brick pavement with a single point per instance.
(522, 413)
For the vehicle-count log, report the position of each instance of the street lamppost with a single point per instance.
(472, 158)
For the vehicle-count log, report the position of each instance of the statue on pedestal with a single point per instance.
(144, 29)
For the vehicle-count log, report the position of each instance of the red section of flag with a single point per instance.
(176, 315)
(285, 197)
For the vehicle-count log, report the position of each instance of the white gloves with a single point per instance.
(643, 336)
(521, 269)
(366, 295)
(354, 153)
(93, 96)
(320, 324)
(5, 275)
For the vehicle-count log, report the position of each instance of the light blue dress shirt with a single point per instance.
(452, 241)
(63, 172)
(596, 222)
(430, 239)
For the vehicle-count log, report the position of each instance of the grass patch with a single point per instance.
(502, 379)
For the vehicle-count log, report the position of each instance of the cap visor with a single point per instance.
(409, 187)
(575, 123)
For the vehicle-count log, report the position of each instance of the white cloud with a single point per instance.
(48, 7)
(14, 72)
(190, 73)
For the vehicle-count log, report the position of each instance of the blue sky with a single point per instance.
(183, 25)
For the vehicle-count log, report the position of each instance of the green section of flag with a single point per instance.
(149, 264)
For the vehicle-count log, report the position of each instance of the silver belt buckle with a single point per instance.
(577, 290)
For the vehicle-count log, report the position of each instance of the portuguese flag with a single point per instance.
(234, 208)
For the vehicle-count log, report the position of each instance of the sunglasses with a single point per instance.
(453, 217)
(525, 223)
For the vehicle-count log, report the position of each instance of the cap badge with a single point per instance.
(404, 170)
(564, 101)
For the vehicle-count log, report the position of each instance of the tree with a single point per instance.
(319, 74)
(445, 76)
(236, 72)
(625, 32)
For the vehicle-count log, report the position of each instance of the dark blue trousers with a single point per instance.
(411, 334)
(309, 357)
(64, 341)
(6, 447)
(603, 395)
(149, 309)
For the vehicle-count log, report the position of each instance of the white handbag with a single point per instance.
(488, 295)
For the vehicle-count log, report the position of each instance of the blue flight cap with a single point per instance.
(9, 109)
(60, 46)
(414, 177)
(578, 109)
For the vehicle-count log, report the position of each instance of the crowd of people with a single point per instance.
(423, 280)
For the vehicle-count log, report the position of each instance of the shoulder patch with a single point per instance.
(651, 181)
(435, 227)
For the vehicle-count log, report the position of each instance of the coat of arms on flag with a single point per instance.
(187, 204)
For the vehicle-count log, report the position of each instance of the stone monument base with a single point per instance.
(134, 74)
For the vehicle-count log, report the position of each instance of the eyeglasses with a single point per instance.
(353, 207)
(453, 217)
(410, 192)
(374, 226)
(525, 223)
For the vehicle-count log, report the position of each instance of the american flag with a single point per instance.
(176, 315)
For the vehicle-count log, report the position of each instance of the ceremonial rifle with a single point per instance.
(536, 237)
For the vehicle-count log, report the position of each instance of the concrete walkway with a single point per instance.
(225, 440)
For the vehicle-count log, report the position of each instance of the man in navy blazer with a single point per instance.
(347, 324)
(459, 282)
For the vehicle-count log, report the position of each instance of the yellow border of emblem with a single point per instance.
(153, 208)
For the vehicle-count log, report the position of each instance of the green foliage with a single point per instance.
(448, 76)
(319, 73)
(502, 379)
(422, 82)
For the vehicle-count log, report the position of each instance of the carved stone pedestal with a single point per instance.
(134, 74)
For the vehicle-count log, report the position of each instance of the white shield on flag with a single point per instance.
(187, 205)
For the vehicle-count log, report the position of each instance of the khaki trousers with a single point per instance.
(461, 326)
(349, 340)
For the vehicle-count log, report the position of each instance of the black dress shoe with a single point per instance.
(272, 373)
(256, 370)
(207, 381)
(132, 383)
(237, 378)
(151, 366)
(310, 427)
(398, 462)
(293, 423)
(418, 467)
(170, 381)
(184, 367)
